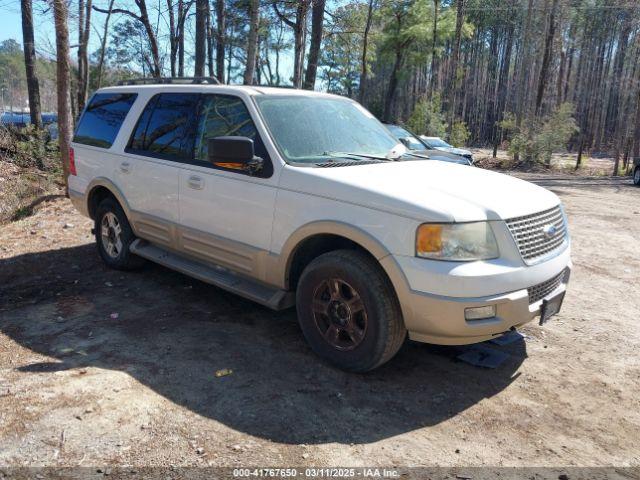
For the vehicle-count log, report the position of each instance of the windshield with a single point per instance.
(312, 129)
(406, 137)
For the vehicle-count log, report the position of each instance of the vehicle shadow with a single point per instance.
(172, 334)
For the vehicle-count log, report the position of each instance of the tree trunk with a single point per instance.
(221, 37)
(84, 27)
(201, 37)
(317, 21)
(300, 30)
(563, 61)
(252, 42)
(434, 72)
(210, 65)
(63, 81)
(230, 51)
(365, 45)
(81, 66)
(503, 87)
(183, 11)
(151, 36)
(546, 58)
(623, 41)
(103, 44)
(173, 44)
(393, 85)
(33, 87)
(636, 134)
(453, 75)
(523, 71)
(299, 35)
(579, 157)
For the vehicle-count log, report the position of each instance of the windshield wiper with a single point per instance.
(357, 155)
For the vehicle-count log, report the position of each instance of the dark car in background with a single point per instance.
(636, 171)
(418, 147)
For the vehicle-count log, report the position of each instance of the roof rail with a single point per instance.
(169, 80)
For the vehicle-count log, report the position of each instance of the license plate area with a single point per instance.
(550, 307)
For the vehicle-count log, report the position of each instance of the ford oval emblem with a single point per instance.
(549, 230)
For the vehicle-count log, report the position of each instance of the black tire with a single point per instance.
(371, 331)
(119, 258)
(636, 176)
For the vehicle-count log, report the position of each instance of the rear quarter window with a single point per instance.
(103, 118)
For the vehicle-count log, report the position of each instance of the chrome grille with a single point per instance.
(528, 232)
(538, 292)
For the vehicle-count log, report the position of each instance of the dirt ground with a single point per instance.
(101, 367)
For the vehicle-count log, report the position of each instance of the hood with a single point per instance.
(423, 190)
(455, 151)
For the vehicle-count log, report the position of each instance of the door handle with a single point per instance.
(195, 182)
(125, 167)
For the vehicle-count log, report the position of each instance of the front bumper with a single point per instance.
(441, 319)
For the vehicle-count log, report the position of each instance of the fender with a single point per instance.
(278, 272)
(279, 275)
(115, 191)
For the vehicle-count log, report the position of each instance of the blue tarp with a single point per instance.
(20, 119)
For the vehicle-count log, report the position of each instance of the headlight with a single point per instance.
(462, 242)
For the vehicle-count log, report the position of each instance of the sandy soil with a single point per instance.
(101, 367)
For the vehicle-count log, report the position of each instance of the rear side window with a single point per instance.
(165, 128)
(103, 118)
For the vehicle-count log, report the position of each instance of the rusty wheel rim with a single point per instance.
(339, 314)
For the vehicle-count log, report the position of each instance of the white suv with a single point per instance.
(295, 197)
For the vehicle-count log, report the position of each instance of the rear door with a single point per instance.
(226, 215)
(149, 171)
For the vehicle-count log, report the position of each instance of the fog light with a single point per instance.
(478, 313)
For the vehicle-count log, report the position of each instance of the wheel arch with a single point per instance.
(316, 238)
(102, 188)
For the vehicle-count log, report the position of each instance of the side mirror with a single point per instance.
(234, 152)
(405, 142)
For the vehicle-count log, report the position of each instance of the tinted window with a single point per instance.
(103, 118)
(165, 128)
(223, 115)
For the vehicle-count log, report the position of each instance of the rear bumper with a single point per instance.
(79, 201)
(441, 319)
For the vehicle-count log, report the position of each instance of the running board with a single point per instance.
(273, 298)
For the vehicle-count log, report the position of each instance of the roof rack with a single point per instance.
(169, 80)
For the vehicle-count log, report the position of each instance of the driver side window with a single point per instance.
(225, 115)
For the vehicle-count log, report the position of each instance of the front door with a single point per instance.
(226, 215)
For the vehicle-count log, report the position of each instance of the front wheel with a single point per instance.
(348, 311)
(636, 176)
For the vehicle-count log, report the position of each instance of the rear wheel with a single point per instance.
(636, 176)
(114, 236)
(348, 311)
